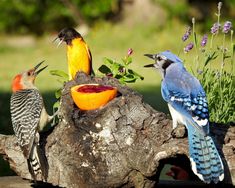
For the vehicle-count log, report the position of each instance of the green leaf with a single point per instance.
(210, 57)
(58, 93)
(135, 74)
(195, 39)
(56, 105)
(227, 56)
(127, 60)
(107, 61)
(104, 69)
(115, 68)
(129, 79)
(61, 80)
(60, 73)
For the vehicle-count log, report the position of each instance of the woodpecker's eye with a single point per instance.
(28, 73)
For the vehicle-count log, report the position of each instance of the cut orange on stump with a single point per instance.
(92, 96)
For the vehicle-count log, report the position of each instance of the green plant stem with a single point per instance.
(232, 51)
(211, 42)
(195, 44)
(221, 72)
(223, 55)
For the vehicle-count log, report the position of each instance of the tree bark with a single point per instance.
(123, 144)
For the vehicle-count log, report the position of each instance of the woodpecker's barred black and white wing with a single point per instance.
(26, 107)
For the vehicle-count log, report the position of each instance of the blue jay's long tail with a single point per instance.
(205, 160)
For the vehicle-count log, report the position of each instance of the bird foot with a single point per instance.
(54, 119)
(179, 131)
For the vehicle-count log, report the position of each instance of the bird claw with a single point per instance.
(179, 131)
(54, 119)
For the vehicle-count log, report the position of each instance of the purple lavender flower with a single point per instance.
(188, 47)
(204, 40)
(227, 27)
(129, 52)
(187, 34)
(215, 28)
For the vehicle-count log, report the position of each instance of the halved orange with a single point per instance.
(92, 96)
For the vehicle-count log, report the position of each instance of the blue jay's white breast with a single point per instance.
(176, 117)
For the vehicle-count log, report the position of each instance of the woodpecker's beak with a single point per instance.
(36, 72)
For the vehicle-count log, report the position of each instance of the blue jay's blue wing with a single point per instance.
(186, 95)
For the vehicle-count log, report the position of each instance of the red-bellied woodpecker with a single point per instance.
(29, 116)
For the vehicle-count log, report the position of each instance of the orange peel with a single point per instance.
(92, 96)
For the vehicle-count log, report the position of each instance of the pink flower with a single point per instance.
(130, 51)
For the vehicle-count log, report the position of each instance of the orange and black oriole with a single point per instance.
(78, 52)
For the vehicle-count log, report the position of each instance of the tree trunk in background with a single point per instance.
(77, 16)
(134, 12)
(124, 144)
(82, 26)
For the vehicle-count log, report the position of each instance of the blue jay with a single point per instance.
(188, 105)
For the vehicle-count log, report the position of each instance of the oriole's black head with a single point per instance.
(68, 34)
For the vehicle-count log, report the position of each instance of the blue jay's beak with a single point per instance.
(150, 65)
(152, 56)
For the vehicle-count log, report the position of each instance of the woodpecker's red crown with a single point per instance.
(26, 79)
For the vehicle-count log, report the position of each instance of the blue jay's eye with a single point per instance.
(159, 58)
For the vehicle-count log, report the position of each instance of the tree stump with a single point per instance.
(122, 144)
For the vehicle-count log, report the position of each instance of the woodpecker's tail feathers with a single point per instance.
(37, 164)
(205, 160)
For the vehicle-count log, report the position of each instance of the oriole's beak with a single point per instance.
(59, 41)
(36, 72)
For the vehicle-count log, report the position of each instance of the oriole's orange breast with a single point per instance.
(79, 58)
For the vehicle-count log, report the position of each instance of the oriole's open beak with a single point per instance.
(59, 40)
(36, 72)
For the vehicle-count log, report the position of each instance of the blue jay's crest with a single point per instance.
(170, 56)
(188, 105)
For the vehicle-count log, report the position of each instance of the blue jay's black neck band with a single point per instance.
(166, 64)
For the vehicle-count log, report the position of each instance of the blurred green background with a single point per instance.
(110, 27)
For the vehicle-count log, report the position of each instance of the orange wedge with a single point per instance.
(92, 96)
